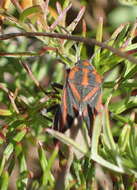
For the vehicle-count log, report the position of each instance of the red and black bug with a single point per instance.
(81, 96)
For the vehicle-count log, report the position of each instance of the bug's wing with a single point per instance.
(93, 105)
(96, 101)
(66, 113)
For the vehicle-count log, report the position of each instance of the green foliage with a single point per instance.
(128, 2)
(28, 67)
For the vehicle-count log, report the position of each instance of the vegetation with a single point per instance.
(33, 58)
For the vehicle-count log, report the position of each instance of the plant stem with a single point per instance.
(88, 41)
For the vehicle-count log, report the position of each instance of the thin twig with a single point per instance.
(26, 67)
(11, 97)
(88, 41)
(89, 19)
(28, 54)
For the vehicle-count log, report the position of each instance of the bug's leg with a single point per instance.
(56, 86)
(56, 122)
(52, 108)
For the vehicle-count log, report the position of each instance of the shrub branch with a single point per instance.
(88, 41)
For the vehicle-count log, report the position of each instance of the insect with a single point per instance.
(81, 96)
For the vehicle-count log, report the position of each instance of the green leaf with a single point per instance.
(120, 118)
(133, 144)
(124, 138)
(27, 12)
(63, 138)
(8, 151)
(18, 149)
(4, 112)
(66, 4)
(131, 47)
(6, 154)
(4, 181)
(47, 176)
(2, 164)
(128, 2)
(20, 135)
(107, 133)
(74, 23)
(123, 105)
(131, 70)
(52, 158)
(96, 133)
(99, 35)
(109, 62)
(106, 164)
(122, 27)
(43, 163)
(23, 178)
